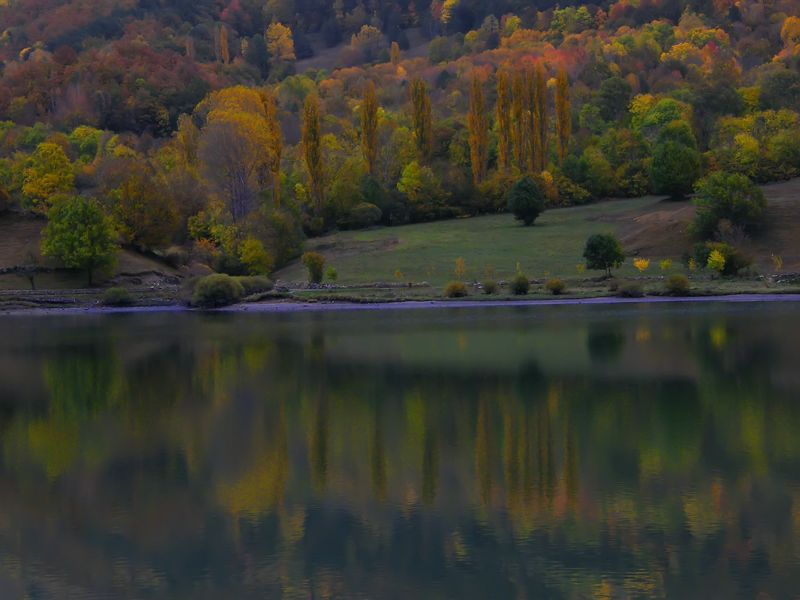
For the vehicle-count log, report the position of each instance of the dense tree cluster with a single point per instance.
(198, 124)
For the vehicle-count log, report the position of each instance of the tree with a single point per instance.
(503, 122)
(369, 127)
(526, 200)
(538, 86)
(48, 176)
(603, 252)
(394, 54)
(147, 217)
(314, 263)
(521, 118)
(280, 47)
(224, 45)
(421, 119)
(255, 257)
(674, 169)
(274, 139)
(478, 125)
(312, 150)
(80, 235)
(563, 114)
(729, 196)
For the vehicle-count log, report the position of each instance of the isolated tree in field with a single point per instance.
(727, 196)
(526, 200)
(478, 125)
(80, 235)
(422, 119)
(369, 127)
(48, 176)
(563, 114)
(503, 109)
(314, 263)
(603, 252)
(312, 150)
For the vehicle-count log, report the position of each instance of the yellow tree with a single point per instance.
(280, 43)
(274, 150)
(224, 45)
(312, 150)
(478, 125)
(520, 116)
(48, 176)
(538, 87)
(394, 54)
(422, 120)
(503, 122)
(369, 127)
(563, 114)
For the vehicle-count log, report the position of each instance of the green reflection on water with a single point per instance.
(558, 452)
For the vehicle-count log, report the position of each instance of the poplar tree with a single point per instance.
(520, 115)
(478, 124)
(539, 118)
(275, 143)
(369, 127)
(422, 119)
(503, 122)
(394, 54)
(563, 114)
(312, 149)
(224, 45)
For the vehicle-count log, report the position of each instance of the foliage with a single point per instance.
(555, 286)
(332, 274)
(80, 235)
(489, 287)
(630, 289)
(603, 252)
(526, 200)
(716, 261)
(314, 263)
(117, 296)
(455, 289)
(255, 284)
(721, 257)
(216, 291)
(520, 285)
(678, 285)
(48, 176)
(255, 258)
(727, 196)
(641, 264)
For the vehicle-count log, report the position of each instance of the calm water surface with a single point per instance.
(558, 452)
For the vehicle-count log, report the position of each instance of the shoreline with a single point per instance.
(283, 307)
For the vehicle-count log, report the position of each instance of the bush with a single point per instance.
(603, 252)
(255, 284)
(731, 197)
(631, 290)
(217, 290)
(455, 289)
(314, 263)
(489, 287)
(733, 260)
(361, 216)
(555, 286)
(176, 256)
(332, 274)
(117, 296)
(678, 285)
(613, 285)
(254, 257)
(520, 285)
(526, 200)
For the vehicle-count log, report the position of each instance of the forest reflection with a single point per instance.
(570, 454)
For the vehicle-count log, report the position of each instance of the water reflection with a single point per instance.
(597, 453)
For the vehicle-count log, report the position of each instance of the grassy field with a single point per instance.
(489, 245)
(492, 246)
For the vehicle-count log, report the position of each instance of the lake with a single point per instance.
(540, 452)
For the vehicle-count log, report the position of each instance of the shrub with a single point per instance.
(666, 264)
(678, 285)
(526, 200)
(362, 215)
(254, 257)
(217, 290)
(314, 263)
(555, 286)
(631, 290)
(613, 285)
(455, 289)
(603, 252)
(332, 274)
(176, 256)
(520, 285)
(255, 284)
(117, 296)
(727, 196)
(489, 287)
(641, 264)
(726, 260)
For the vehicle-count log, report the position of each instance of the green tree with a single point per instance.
(80, 235)
(48, 176)
(675, 168)
(255, 258)
(526, 200)
(729, 196)
(603, 252)
(314, 263)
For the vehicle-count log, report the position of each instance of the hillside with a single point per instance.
(648, 227)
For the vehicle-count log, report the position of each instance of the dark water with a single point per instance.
(630, 452)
